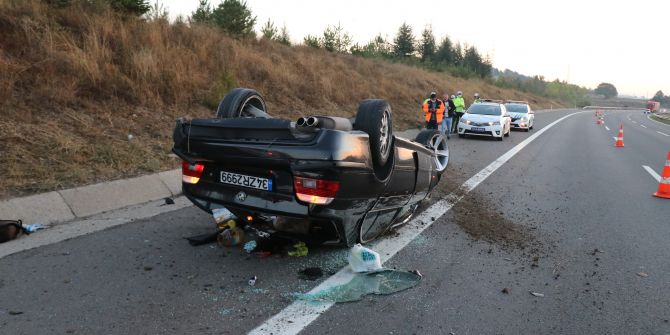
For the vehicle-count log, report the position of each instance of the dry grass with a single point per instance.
(74, 84)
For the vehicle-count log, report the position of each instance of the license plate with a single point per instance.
(246, 181)
(478, 129)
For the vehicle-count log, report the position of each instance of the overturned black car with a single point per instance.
(329, 180)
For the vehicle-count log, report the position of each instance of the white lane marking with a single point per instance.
(299, 314)
(606, 127)
(652, 173)
(643, 126)
(662, 133)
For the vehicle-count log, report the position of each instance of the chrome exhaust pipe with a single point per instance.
(301, 122)
(312, 121)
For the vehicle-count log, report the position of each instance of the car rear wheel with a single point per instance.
(437, 143)
(374, 118)
(242, 102)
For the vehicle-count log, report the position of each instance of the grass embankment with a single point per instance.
(74, 83)
(664, 117)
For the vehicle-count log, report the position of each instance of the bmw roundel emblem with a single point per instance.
(241, 196)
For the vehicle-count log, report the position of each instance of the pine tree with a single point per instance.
(269, 30)
(234, 17)
(427, 45)
(403, 44)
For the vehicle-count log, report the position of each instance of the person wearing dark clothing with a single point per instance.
(448, 115)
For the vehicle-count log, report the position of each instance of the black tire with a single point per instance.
(241, 102)
(500, 138)
(374, 118)
(436, 142)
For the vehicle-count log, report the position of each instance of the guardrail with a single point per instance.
(614, 108)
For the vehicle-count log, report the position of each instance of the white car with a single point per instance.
(522, 116)
(486, 118)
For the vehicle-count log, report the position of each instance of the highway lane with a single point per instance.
(575, 193)
(144, 278)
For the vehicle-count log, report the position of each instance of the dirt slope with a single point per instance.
(74, 84)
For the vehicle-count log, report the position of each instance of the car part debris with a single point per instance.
(252, 281)
(300, 250)
(536, 294)
(168, 201)
(362, 259)
(643, 274)
(383, 282)
(505, 290)
(202, 239)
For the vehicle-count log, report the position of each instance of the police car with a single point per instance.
(522, 116)
(486, 118)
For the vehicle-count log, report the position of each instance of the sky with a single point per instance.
(585, 42)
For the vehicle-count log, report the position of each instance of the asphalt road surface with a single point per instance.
(569, 217)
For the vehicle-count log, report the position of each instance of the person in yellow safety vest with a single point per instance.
(459, 102)
(433, 109)
(477, 99)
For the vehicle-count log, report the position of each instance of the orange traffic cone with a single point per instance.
(664, 185)
(619, 139)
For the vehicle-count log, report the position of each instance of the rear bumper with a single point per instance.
(311, 223)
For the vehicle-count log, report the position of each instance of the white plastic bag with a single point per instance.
(362, 259)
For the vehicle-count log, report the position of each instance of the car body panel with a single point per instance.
(366, 193)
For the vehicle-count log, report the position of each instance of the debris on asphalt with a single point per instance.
(416, 272)
(250, 246)
(362, 259)
(312, 273)
(230, 237)
(31, 228)
(252, 281)
(202, 239)
(505, 290)
(536, 294)
(383, 282)
(222, 215)
(15, 313)
(595, 251)
(643, 274)
(168, 201)
(300, 250)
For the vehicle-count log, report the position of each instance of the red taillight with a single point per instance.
(191, 173)
(315, 191)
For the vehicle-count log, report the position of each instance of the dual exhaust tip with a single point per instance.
(311, 121)
(327, 122)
